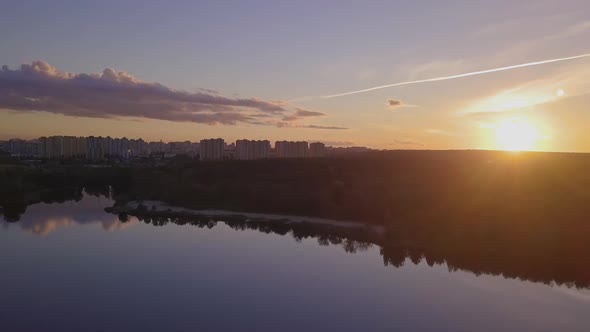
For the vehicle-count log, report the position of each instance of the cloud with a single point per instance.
(544, 41)
(282, 124)
(209, 91)
(304, 113)
(533, 95)
(441, 132)
(41, 87)
(448, 77)
(337, 143)
(432, 68)
(407, 142)
(300, 114)
(322, 127)
(395, 104)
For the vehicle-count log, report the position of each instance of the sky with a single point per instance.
(188, 70)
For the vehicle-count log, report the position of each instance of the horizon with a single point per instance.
(326, 165)
(328, 144)
(513, 77)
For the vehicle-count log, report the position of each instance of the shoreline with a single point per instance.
(159, 207)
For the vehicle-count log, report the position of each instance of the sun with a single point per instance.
(516, 134)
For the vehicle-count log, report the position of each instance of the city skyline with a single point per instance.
(106, 147)
(327, 143)
(502, 77)
(319, 165)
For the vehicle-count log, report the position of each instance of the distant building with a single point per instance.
(61, 147)
(95, 148)
(250, 150)
(122, 148)
(195, 147)
(68, 147)
(286, 149)
(229, 151)
(79, 147)
(50, 147)
(212, 149)
(42, 149)
(21, 148)
(98, 148)
(156, 147)
(182, 148)
(317, 149)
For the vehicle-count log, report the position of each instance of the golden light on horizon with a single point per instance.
(516, 134)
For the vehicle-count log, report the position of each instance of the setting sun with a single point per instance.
(516, 134)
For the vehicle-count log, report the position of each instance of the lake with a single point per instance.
(74, 267)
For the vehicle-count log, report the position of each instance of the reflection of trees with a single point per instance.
(471, 255)
(486, 212)
(521, 217)
(351, 241)
(15, 204)
(97, 190)
(565, 267)
(13, 211)
(394, 256)
(123, 217)
(562, 262)
(21, 187)
(45, 217)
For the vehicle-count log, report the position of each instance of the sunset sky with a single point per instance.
(187, 70)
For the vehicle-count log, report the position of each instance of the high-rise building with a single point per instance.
(212, 149)
(21, 148)
(51, 147)
(57, 147)
(107, 144)
(94, 148)
(79, 147)
(42, 150)
(185, 148)
(286, 149)
(249, 150)
(61, 147)
(317, 149)
(69, 143)
(156, 147)
(97, 148)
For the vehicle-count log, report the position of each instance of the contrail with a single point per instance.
(444, 78)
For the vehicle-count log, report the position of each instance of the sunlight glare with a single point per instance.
(516, 134)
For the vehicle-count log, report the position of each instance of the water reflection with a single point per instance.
(238, 275)
(86, 209)
(12, 207)
(572, 270)
(517, 261)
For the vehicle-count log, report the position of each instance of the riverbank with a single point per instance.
(163, 209)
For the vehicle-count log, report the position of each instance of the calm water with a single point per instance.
(74, 267)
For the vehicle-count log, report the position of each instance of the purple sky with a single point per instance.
(202, 69)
